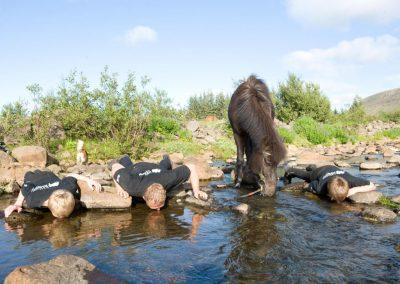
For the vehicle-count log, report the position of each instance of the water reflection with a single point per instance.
(119, 228)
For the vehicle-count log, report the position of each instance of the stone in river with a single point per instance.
(342, 164)
(378, 214)
(17, 218)
(108, 199)
(62, 269)
(396, 199)
(371, 166)
(198, 202)
(242, 208)
(366, 197)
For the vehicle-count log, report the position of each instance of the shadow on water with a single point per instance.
(290, 238)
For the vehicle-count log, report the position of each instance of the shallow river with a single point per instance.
(290, 238)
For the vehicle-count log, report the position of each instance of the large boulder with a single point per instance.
(204, 171)
(14, 172)
(31, 155)
(108, 199)
(62, 269)
(378, 214)
(366, 197)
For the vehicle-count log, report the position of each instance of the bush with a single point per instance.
(296, 98)
(163, 125)
(355, 115)
(287, 135)
(313, 131)
(201, 106)
(392, 133)
(393, 116)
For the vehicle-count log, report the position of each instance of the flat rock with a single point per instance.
(62, 269)
(31, 155)
(342, 164)
(108, 199)
(205, 172)
(176, 158)
(395, 159)
(371, 166)
(12, 187)
(378, 214)
(366, 197)
(307, 157)
(396, 198)
(295, 186)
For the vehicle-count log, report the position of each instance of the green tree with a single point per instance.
(296, 98)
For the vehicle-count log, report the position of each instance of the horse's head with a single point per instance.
(268, 175)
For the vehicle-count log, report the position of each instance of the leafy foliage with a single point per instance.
(295, 98)
(201, 106)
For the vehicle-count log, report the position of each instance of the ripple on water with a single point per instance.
(290, 238)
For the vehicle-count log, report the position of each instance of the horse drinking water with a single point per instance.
(251, 114)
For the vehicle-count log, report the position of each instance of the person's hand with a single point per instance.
(201, 195)
(10, 209)
(94, 185)
(122, 192)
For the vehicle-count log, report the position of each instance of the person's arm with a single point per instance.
(194, 181)
(363, 188)
(16, 207)
(94, 185)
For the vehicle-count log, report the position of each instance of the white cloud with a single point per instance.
(395, 78)
(342, 12)
(140, 34)
(346, 54)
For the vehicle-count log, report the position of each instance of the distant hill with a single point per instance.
(387, 101)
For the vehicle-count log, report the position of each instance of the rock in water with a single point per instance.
(197, 202)
(295, 186)
(342, 164)
(31, 155)
(108, 199)
(366, 197)
(242, 208)
(22, 217)
(378, 214)
(12, 187)
(371, 166)
(62, 269)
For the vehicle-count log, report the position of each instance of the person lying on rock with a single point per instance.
(330, 181)
(152, 181)
(45, 189)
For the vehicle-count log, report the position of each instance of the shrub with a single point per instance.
(391, 133)
(287, 135)
(312, 130)
(200, 106)
(295, 98)
(163, 125)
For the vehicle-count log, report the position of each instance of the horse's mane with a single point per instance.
(256, 116)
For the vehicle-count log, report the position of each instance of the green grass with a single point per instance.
(224, 148)
(177, 146)
(387, 202)
(287, 135)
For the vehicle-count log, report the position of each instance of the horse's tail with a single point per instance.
(257, 117)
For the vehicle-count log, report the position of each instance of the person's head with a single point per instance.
(61, 203)
(338, 188)
(155, 196)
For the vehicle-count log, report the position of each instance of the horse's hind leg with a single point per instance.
(240, 143)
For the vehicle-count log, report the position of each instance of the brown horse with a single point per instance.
(251, 114)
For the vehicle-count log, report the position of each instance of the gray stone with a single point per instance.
(23, 217)
(366, 197)
(108, 199)
(394, 160)
(371, 166)
(197, 202)
(378, 214)
(62, 269)
(5, 159)
(54, 168)
(101, 176)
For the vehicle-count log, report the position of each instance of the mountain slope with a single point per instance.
(387, 101)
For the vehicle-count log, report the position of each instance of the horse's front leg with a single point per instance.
(240, 142)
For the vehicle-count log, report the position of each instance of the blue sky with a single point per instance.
(187, 47)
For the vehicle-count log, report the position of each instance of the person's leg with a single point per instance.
(165, 163)
(125, 161)
(296, 173)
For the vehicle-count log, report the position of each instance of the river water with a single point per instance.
(293, 237)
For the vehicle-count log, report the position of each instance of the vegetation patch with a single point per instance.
(387, 202)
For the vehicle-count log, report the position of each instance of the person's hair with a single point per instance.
(61, 203)
(338, 188)
(155, 194)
